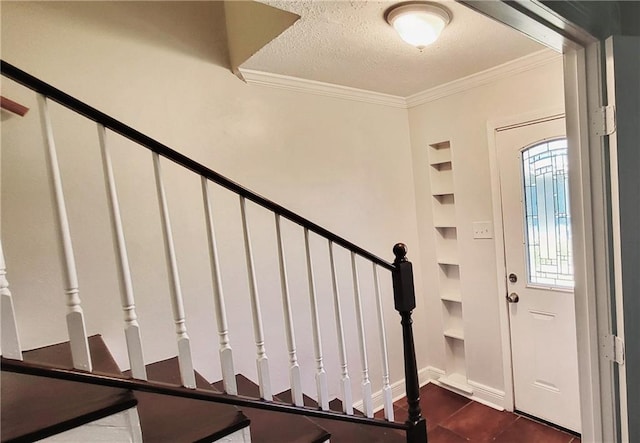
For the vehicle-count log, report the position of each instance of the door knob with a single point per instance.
(513, 298)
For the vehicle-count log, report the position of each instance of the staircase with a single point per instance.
(36, 407)
(172, 400)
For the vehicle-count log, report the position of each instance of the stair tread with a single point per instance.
(273, 426)
(165, 418)
(335, 405)
(37, 407)
(168, 371)
(344, 431)
(59, 355)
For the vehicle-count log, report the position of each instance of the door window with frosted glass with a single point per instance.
(548, 225)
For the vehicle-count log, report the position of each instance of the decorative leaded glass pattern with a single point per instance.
(548, 227)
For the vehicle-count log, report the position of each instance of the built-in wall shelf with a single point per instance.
(441, 179)
(448, 261)
(440, 153)
(452, 297)
(439, 165)
(444, 211)
(457, 334)
(449, 283)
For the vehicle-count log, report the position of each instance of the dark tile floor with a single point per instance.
(452, 418)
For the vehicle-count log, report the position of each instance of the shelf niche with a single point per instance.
(441, 179)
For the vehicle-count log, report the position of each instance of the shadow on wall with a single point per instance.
(155, 24)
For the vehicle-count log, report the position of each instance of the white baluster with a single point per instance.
(321, 375)
(386, 388)
(366, 383)
(184, 349)
(10, 339)
(226, 353)
(294, 368)
(132, 328)
(75, 316)
(262, 361)
(345, 382)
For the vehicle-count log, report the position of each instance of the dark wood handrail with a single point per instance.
(118, 127)
(155, 387)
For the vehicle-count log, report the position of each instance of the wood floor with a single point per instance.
(452, 418)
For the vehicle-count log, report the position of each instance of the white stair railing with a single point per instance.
(345, 382)
(321, 375)
(262, 360)
(294, 367)
(185, 361)
(132, 328)
(401, 274)
(367, 402)
(226, 353)
(75, 316)
(386, 387)
(10, 339)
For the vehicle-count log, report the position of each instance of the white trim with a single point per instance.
(286, 82)
(314, 87)
(397, 392)
(588, 190)
(488, 396)
(513, 67)
(433, 373)
(616, 240)
(501, 270)
(397, 389)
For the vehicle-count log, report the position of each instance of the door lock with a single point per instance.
(513, 278)
(513, 298)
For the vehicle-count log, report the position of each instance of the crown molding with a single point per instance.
(286, 82)
(522, 64)
(513, 67)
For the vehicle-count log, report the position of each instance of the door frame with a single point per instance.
(591, 261)
(600, 400)
(499, 243)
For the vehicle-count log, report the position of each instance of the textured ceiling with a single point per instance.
(349, 43)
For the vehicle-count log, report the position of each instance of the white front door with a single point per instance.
(532, 161)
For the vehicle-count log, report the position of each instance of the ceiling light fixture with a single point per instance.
(418, 23)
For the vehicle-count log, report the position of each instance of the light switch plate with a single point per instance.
(482, 229)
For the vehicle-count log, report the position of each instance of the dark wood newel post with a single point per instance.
(405, 301)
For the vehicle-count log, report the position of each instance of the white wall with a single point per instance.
(158, 67)
(462, 119)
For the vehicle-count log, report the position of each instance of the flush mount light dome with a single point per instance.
(418, 23)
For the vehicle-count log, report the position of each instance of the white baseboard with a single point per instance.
(488, 396)
(425, 375)
(433, 373)
(397, 392)
(492, 397)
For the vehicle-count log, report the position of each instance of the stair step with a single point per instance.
(59, 356)
(164, 418)
(168, 371)
(273, 426)
(335, 405)
(37, 407)
(346, 432)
